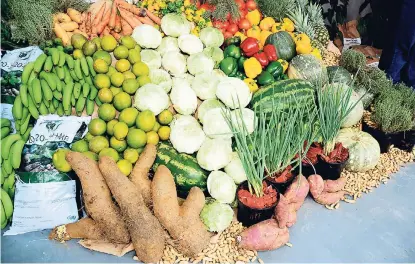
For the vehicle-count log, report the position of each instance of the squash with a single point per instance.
(307, 67)
(338, 74)
(364, 150)
(284, 45)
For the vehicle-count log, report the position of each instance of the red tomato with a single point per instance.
(227, 35)
(244, 24)
(251, 5)
(218, 24)
(206, 7)
(240, 3)
(225, 24)
(198, 4)
(223, 30)
(232, 28)
(243, 13)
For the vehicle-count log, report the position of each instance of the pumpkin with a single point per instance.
(364, 150)
(338, 74)
(307, 67)
(284, 45)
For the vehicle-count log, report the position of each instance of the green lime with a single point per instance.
(117, 79)
(115, 90)
(146, 120)
(97, 42)
(111, 71)
(122, 65)
(100, 66)
(164, 133)
(107, 112)
(102, 54)
(128, 42)
(131, 155)
(143, 80)
(156, 127)
(140, 69)
(125, 166)
(88, 136)
(122, 100)
(109, 152)
(105, 95)
(130, 86)
(136, 138)
(98, 143)
(118, 145)
(128, 75)
(102, 81)
(80, 146)
(165, 117)
(134, 56)
(128, 116)
(110, 126)
(59, 160)
(120, 130)
(121, 52)
(108, 43)
(89, 48)
(97, 127)
(152, 138)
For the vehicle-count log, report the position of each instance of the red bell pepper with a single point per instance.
(250, 46)
(262, 58)
(271, 52)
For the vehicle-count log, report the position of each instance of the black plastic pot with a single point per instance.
(328, 170)
(250, 216)
(406, 140)
(281, 187)
(385, 140)
(307, 170)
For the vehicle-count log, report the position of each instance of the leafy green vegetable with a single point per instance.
(352, 60)
(216, 216)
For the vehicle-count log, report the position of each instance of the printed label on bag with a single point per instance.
(350, 42)
(6, 112)
(374, 64)
(15, 60)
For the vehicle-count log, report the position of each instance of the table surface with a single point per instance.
(380, 227)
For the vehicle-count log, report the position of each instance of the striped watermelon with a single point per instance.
(186, 171)
(283, 95)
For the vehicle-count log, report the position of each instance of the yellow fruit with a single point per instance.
(131, 155)
(89, 48)
(115, 90)
(122, 65)
(59, 160)
(118, 145)
(125, 166)
(164, 133)
(152, 138)
(140, 69)
(121, 52)
(117, 78)
(111, 71)
(134, 56)
(120, 130)
(109, 152)
(143, 80)
(121, 101)
(110, 126)
(100, 66)
(80, 146)
(128, 75)
(102, 81)
(146, 120)
(78, 40)
(77, 54)
(98, 143)
(106, 112)
(128, 116)
(101, 54)
(130, 86)
(105, 95)
(97, 127)
(156, 127)
(128, 41)
(91, 155)
(137, 47)
(108, 43)
(165, 117)
(136, 138)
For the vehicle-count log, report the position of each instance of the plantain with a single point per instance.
(23, 95)
(46, 91)
(77, 90)
(32, 108)
(77, 69)
(69, 61)
(54, 52)
(62, 58)
(90, 62)
(39, 63)
(17, 109)
(27, 70)
(47, 67)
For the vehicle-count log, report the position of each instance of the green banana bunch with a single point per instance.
(6, 210)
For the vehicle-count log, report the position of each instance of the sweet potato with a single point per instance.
(282, 212)
(263, 236)
(69, 26)
(297, 191)
(84, 228)
(325, 192)
(182, 222)
(139, 174)
(146, 232)
(61, 33)
(98, 199)
(62, 17)
(75, 15)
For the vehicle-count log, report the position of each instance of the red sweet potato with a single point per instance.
(282, 212)
(334, 186)
(316, 185)
(297, 191)
(329, 198)
(326, 192)
(263, 236)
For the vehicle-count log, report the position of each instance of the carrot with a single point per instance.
(82, 26)
(105, 32)
(115, 35)
(98, 16)
(130, 8)
(105, 20)
(153, 17)
(146, 20)
(111, 23)
(127, 30)
(88, 24)
(129, 17)
(117, 27)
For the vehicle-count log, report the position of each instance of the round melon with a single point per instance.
(338, 74)
(307, 67)
(364, 150)
(284, 45)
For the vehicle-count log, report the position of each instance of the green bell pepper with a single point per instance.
(265, 78)
(241, 61)
(276, 69)
(229, 66)
(240, 75)
(232, 51)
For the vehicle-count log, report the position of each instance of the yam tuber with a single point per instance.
(84, 228)
(62, 18)
(182, 222)
(146, 232)
(98, 199)
(69, 26)
(263, 236)
(326, 195)
(61, 33)
(118, 250)
(75, 15)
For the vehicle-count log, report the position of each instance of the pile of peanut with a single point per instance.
(222, 249)
(330, 58)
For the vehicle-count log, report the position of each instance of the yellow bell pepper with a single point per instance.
(186, 2)
(254, 17)
(316, 53)
(277, 27)
(263, 37)
(303, 48)
(284, 64)
(240, 35)
(288, 24)
(266, 23)
(253, 87)
(252, 68)
(254, 32)
(303, 38)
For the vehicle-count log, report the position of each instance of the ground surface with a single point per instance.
(380, 227)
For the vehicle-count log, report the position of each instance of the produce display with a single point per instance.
(209, 122)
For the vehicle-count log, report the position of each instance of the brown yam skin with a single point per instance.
(84, 228)
(182, 222)
(98, 199)
(263, 236)
(139, 175)
(146, 232)
(326, 192)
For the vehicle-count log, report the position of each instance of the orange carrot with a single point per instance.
(111, 23)
(82, 26)
(129, 17)
(127, 30)
(88, 24)
(115, 35)
(153, 17)
(105, 32)
(98, 16)
(105, 20)
(130, 8)
(117, 27)
(145, 20)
